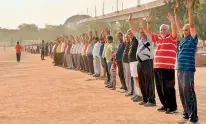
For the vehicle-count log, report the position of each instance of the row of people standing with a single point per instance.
(138, 68)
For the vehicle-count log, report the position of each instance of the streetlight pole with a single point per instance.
(103, 8)
(95, 11)
(138, 2)
(122, 5)
(117, 5)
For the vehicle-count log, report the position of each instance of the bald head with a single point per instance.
(186, 30)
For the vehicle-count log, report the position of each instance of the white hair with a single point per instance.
(166, 26)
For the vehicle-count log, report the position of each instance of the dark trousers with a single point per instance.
(82, 63)
(121, 75)
(187, 94)
(18, 57)
(165, 84)
(58, 60)
(146, 80)
(86, 64)
(107, 71)
(55, 58)
(90, 63)
(42, 55)
(61, 58)
(73, 60)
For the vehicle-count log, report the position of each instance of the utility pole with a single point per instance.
(112, 8)
(87, 11)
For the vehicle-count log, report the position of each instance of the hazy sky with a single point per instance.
(55, 12)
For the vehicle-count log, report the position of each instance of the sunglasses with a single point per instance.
(185, 30)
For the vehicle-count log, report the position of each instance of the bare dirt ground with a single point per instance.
(35, 92)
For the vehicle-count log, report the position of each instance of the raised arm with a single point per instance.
(146, 31)
(132, 25)
(177, 19)
(149, 22)
(172, 21)
(191, 18)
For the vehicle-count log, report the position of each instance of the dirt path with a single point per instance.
(35, 92)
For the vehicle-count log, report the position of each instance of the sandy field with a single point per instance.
(36, 92)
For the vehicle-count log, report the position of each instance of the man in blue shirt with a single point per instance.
(186, 65)
(118, 56)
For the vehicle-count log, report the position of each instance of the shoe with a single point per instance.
(97, 75)
(149, 104)
(189, 122)
(122, 91)
(134, 97)
(162, 109)
(183, 121)
(113, 88)
(110, 87)
(142, 103)
(171, 111)
(128, 94)
(137, 99)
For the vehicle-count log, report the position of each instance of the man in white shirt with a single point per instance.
(97, 58)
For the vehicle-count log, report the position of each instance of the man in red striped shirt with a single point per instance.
(164, 64)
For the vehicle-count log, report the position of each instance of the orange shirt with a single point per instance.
(18, 48)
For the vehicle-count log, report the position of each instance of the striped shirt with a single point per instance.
(186, 53)
(165, 54)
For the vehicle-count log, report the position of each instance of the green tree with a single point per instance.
(160, 13)
(201, 16)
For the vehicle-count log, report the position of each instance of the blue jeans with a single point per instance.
(18, 57)
(187, 94)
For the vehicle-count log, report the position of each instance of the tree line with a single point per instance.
(50, 32)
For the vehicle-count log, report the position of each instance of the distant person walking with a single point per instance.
(42, 50)
(18, 52)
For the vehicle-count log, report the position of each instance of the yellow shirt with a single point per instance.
(105, 47)
(59, 48)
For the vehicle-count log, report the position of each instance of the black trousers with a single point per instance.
(146, 80)
(165, 84)
(121, 75)
(90, 63)
(42, 55)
